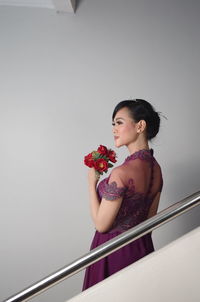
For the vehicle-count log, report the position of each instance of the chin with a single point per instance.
(118, 145)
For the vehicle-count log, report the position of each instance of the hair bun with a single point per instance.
(153, 125)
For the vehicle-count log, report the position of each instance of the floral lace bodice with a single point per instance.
(137, 180)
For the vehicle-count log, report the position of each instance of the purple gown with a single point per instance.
(137, 180)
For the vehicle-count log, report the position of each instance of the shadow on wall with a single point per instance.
(189, 220)
(78, 3)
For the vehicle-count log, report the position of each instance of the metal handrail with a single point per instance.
(108, 247)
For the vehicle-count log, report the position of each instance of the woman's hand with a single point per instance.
(92, 177)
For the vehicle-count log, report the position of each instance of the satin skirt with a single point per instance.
(118, 259)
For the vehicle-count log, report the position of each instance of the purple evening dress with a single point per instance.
(137, 180)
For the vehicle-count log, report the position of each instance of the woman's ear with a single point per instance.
(141, 126)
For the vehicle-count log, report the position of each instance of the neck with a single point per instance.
(136, 146)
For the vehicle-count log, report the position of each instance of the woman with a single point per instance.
(130, 194)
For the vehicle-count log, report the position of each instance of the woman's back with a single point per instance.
(138, 180)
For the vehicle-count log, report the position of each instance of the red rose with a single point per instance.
(112, 156)
(101, 165)
(89, 161)
(102, 150)
(100, 159)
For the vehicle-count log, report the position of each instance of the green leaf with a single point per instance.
(103, 156)
(95, 155)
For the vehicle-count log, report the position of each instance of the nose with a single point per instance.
(114, 131)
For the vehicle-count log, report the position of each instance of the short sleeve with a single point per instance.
(114, 188)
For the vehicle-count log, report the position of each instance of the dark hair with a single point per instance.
(141, 110)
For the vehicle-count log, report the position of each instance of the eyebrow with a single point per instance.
(120, 118)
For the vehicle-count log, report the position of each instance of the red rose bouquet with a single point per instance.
(100, 159)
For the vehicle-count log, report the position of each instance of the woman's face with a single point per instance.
(124, 128)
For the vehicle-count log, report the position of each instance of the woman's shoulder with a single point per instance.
(156, 163)
(119, 170)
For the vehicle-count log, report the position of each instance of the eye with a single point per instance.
(118, 123)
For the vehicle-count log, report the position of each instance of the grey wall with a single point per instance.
(61, 76)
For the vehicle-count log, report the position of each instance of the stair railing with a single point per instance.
(107, 248)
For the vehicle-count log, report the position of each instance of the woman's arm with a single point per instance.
(104, 213)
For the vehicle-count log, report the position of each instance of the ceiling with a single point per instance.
(58, 5)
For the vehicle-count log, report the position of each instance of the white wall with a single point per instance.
(61, 76)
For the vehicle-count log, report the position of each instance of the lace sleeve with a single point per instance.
(114, 188)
